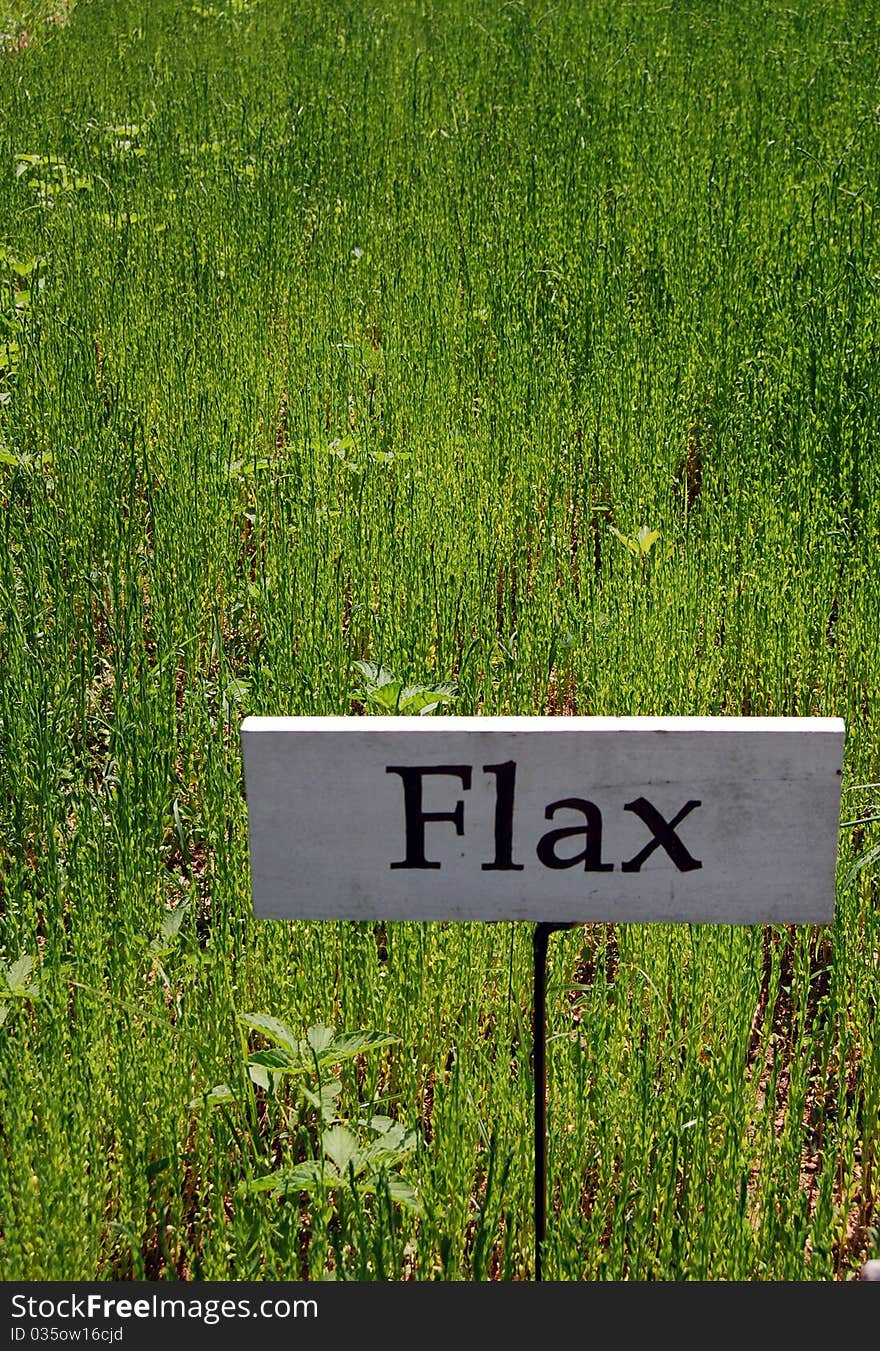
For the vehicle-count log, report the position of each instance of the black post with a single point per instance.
(539, 1059)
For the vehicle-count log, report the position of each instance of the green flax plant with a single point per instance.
(373, 336)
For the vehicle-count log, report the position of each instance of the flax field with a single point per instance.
(529, 352)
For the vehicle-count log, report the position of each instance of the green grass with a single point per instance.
(21, 25)
(332, 334)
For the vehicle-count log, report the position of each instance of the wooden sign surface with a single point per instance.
(704, 820)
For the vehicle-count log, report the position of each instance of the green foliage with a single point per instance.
(350, 1163)
(639, 544)
(335, 331)
(382, 692)
(322, 1046)
(18, 981)
(18, 277)
(351, 1158)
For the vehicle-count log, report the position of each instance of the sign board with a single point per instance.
(702, 820)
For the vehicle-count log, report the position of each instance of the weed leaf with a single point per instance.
(219, 1094)
(326, 1103)
(273, 1028)
(169, 929)
(318, 1038)
(274, 1059)
(400, 1190)
(341, 1145)
(17, 978)
(349, 1044)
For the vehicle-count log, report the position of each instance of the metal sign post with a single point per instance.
(540, 940)
(614, 820)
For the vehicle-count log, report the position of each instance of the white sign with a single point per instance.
(704, 820)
